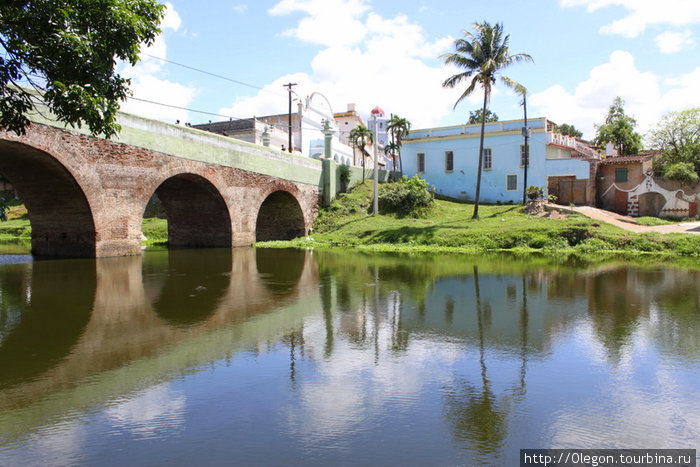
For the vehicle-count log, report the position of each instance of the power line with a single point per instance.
(272, 125)
(184, 108)
(213, 74)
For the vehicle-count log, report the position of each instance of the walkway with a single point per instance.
(629, 223)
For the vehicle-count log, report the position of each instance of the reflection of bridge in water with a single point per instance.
(125, 318)
(118, 326)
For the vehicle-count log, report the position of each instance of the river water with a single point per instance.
(290, 357)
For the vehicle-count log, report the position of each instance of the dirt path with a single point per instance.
(629, 223)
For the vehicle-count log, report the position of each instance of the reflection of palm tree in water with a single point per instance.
(475, 413)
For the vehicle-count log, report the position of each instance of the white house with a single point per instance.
(447, 158)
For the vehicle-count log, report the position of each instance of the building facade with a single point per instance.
(627, 185)
(307, 130)
(447, 158)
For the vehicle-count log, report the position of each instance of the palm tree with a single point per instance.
(361, 136)
(482, 55)
(390, 150)
(399, 128)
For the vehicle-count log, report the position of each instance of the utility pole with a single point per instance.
(526, 149)
(375, 203)
(289, 88)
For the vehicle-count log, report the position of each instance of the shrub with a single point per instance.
(406, 197)
(683, 171)
(344, 172)
(576, 235)
(593, 245)
(534, 192)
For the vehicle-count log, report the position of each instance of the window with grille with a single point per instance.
(511, 182)
(621, 175)
(524, 156)
(449, 161)
(488, 159)
(420, 162)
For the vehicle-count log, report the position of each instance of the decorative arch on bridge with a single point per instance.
(59, 212)
(197, 213)
(280, 218)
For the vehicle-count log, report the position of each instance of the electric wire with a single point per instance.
(215, 75)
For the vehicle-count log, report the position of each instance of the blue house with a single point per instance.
(447, 159)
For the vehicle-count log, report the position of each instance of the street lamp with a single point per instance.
(376, 113)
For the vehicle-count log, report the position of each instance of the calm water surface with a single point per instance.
(277, 357)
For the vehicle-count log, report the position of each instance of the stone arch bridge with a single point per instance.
(86, 196)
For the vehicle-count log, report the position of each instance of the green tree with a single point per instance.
(360, 136)
(391, 150)
(399, 127)
(568, 130)
(475, 116)
(483, 54)
(677, 136)
(67, 51)
(619, 129)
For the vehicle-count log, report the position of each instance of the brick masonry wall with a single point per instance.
(86, 195)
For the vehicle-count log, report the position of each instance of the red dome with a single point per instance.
(377, 111)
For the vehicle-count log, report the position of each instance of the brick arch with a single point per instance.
(197, 214)
(280, 216)
(59, 210)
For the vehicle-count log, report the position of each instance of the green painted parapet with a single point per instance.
(330, 177)
(198, 145)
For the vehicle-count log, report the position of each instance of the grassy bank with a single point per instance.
(448, 227)
(17, 228)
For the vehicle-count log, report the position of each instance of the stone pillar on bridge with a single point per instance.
(329, 165)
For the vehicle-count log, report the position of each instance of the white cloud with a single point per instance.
(672, 42)
(590, 101)
(171, 20)
(642, 13)
(149, 83)
(684, 92)
(327, 22)
(240, 9)
(646, 97)
(367, 60)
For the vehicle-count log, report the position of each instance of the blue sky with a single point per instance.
(385, 53)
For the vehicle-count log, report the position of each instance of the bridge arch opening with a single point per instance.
(280, 218)
(58, 210)
(196, 212)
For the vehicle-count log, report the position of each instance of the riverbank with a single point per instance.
(448, 227)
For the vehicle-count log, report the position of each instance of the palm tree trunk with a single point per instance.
(398, 141)
(481, 158)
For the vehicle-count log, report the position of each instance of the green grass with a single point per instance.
(155, 230)
(651, 221)
(17, 227)
(449, 227)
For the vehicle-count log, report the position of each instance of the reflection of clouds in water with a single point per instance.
(670, 417)
(59, 444)
(351, 387)
(154, 412)
(9, 320)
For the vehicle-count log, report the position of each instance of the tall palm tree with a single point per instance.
(392, 149)
(482, 54)
(399, 127)
(361, 136)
